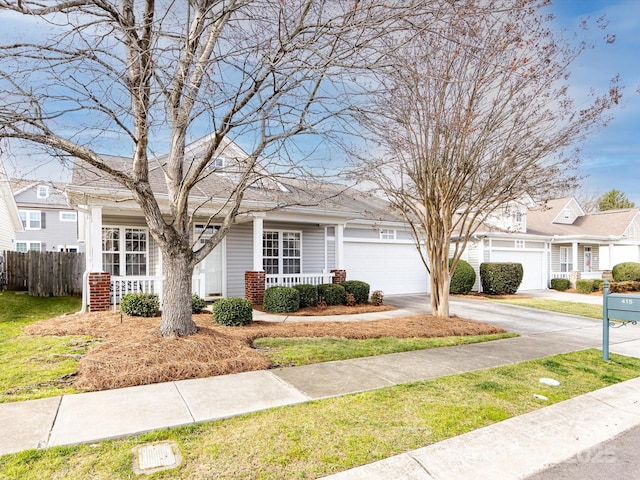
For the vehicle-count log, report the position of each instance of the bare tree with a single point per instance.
(150, 74)
(474, 113)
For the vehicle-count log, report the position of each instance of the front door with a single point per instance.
(587, 259)
(210, 270)
(208, 277)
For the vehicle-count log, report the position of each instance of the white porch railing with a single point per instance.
(289, 280)
(590, 275)
(122, 285)
(583, 275)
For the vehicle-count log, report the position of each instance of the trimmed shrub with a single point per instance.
(197, 303)
(140, 304)
(560, 284)
(233, 311)
(332, 293)
(584, 286)
(626, 272)
(350, 300)
(308, 295)
(501, 278)
(377, 297)
(360, 290)
(281, 300)
(622, 287)
(462, 278)
(598, 284)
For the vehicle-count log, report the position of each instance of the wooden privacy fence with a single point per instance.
(45, 274)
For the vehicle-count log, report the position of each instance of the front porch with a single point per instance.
(107, 291)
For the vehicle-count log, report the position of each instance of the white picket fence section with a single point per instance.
(143, 284)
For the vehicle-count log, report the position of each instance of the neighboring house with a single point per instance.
(49, 223)
(9, 218)
(293, 231)
(557, 240)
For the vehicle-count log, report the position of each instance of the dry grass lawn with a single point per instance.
(132, 351)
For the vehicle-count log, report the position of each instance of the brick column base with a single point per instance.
(339, 275)
(254, 283)
(574, 276)
(99, 291)
(607, 275)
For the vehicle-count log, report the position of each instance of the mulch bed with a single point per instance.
(132, 351)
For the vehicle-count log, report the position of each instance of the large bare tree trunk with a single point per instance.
(176, 302)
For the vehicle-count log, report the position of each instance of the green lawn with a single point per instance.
(294, 352)
(36, 367)
(318, 438)
(573, 308)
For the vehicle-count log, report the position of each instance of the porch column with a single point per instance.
(574, 274)
(258, 228)
(339, 246)
(605, 253)
(94, 244)
(254, 281)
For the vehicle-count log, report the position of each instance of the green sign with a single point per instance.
(617, 306)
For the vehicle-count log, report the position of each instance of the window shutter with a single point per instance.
(43, 216)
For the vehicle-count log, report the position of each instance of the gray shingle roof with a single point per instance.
(601, 224)
(271, 192)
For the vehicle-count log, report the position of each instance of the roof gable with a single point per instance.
(569, 212)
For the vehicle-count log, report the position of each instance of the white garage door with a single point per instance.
(392, 268)
(534, 274)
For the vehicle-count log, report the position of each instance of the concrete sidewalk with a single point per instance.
(95, 416)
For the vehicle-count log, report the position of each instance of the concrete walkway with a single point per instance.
(516, 447)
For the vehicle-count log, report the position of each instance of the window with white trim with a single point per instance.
(42, 191)
(566, 259)
(125, 251)
(281, 252)
(31, 219)
(68, 216)
(519, 243)
(387, 234)
(24, 247)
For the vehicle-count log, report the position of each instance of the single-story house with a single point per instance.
(294, 230)
(556, 239)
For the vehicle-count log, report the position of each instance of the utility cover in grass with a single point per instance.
(550, 381)
(155, 457)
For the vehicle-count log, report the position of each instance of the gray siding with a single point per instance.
(361, 233)
(595, 257)
(312, 243)
(239, 257)
(374, 233)
(55, 232)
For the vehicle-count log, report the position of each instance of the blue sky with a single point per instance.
(611, 157)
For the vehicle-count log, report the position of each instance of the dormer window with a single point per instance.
(519, 217)
(43, 191)
(567, 213)
(216, 163)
